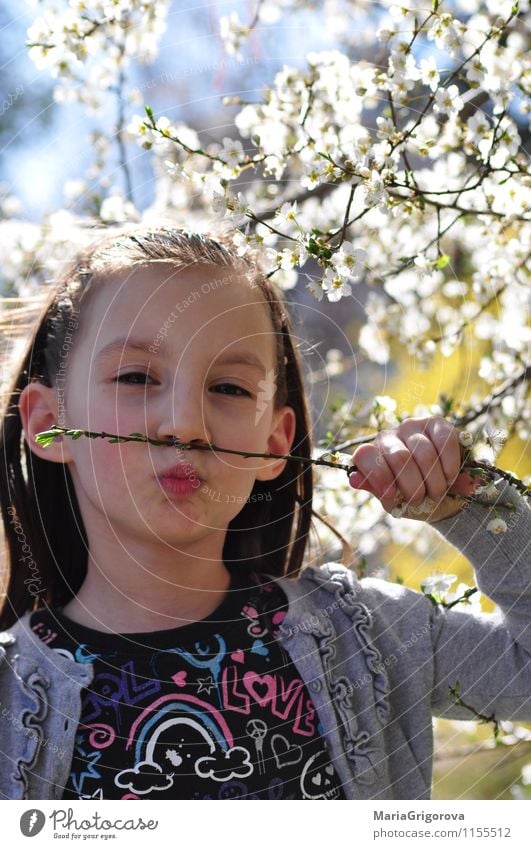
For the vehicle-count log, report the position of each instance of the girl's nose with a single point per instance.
(185, 421)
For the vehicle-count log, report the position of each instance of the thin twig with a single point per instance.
(494, 399)
(120, 126)
(455, 691)
(46, 437)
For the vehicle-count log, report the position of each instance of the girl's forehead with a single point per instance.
(158, 286)
(204, 302)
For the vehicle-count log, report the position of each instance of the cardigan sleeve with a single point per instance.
(487, 656)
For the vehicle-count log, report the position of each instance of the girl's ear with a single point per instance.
(38, 411)
(279, 442)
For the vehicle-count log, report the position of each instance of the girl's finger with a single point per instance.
(388, 467)
(444, 437)
(446, 440)
(428, 464)
(407, 476)
(373, 475)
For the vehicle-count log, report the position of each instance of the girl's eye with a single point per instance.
(130, 378)
(223, 387)
(127, 378)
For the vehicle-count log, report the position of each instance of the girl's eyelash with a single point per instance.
(121, 378)
(233, 386)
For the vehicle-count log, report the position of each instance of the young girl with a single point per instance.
(161, 640)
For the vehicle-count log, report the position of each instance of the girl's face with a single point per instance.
(188, 355)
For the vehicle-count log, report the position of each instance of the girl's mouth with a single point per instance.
(179, 486)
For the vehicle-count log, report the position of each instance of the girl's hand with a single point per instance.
(420, 459)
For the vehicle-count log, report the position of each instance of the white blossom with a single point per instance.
(466, 438)
(429, 73)
(335, 286)
(447, 101)
(374, 341)
(478, 128)
(447, 33)
(475, 72)
(497, 526)
(286, 278)
(374, 188)
(348, 261)
(116, 209)
(487, 491)
(315, 289)
(286, 217)
(138, 130)
(314, 174)
(233, 33)
(438, 584)
(231, 153)
(383, 412)
(296, 254)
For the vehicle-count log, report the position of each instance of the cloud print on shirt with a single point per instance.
(143, 778)
(222, 766)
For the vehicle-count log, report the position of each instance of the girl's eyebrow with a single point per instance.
(124, 343)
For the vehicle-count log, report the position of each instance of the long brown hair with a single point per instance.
(47, 545)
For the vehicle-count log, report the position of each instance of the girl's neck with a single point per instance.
(151, 605)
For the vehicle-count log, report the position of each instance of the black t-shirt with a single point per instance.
(211, 710)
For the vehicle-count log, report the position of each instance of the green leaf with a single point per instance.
(435, 5)
(446, 404)
(442, 261)
(75, 434)
(118, 439)
(149, 111)
(46, 437)
(141, 436)
(362, 566)
(514, 10)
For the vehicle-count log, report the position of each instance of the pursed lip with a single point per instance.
(181, 471)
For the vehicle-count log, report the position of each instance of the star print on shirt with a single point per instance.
(91, 758)
(206, 685)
